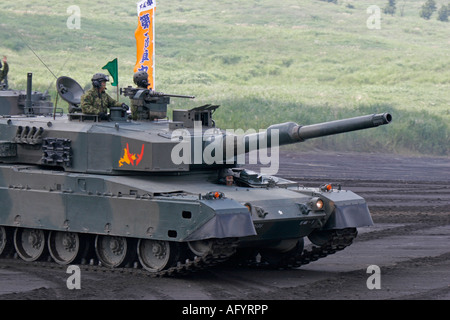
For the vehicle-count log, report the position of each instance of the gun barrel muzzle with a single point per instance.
(302, 133)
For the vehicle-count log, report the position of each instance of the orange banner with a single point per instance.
(145, 40)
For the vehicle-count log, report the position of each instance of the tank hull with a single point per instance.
(157, 208)
(148, 206)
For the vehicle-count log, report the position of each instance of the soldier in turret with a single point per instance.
(4, 74)
(96, 100)
(141, 80)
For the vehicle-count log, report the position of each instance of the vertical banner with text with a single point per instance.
(145, 40)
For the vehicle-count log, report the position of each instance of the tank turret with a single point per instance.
(160, 146)
(190, 142)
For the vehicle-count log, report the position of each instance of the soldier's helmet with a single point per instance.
(98, 78)
(140, 78)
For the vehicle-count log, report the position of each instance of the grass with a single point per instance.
(265, 62)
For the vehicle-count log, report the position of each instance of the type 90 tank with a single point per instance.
(167, 196)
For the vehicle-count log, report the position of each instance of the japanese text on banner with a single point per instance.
(145, 44)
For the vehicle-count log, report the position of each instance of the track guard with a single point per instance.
(349, 216)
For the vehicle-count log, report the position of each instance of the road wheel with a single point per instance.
(113, 252)
(65, 247)
(30, 244)
(156, 255)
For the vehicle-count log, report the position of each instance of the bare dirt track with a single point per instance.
(409, 198)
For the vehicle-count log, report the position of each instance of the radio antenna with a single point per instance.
(36, 55)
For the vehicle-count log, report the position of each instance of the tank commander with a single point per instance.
(4, 74)
(97, 101)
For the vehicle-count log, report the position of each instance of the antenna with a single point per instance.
(65, 62)
(31, 49)
(37, 55)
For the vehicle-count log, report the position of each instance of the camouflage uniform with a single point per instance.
(4, 74)
(91, 103)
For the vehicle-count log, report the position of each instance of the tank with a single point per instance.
(167, 196)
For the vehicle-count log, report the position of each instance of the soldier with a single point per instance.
(141, 80)
(97, 101)
(4, 74)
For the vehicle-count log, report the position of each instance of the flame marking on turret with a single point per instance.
(130, 158)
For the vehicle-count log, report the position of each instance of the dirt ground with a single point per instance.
(409, 198)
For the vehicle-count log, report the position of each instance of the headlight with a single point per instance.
(316, 204)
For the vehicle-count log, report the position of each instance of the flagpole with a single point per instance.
(117, 88)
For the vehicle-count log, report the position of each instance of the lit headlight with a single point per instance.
(316, 204)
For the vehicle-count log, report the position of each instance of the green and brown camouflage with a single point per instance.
(94, 102)
(4, 74)
(117, 181)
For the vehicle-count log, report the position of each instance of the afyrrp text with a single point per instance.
(230, 309)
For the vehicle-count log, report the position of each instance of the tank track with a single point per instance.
(220, 251)
(339, 240)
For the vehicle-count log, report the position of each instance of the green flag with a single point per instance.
(113, 70)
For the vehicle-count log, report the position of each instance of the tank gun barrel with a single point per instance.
(302, 133)
(162, 94)
(291, 132)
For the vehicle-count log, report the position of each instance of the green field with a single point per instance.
(264, 62)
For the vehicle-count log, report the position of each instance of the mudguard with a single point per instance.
(349, 216)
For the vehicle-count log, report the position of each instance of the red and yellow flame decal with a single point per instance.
(132, 159)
